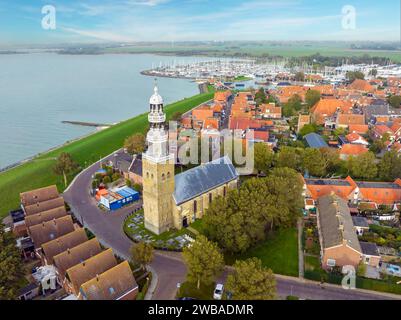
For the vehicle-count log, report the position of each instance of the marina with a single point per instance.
(263, 72)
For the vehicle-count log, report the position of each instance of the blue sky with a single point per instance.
(181, 20)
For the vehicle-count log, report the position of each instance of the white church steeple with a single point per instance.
(157, 137)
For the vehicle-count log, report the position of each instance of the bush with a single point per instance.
(128, 183)
(137, 187)
(106, 179)
(115, 176)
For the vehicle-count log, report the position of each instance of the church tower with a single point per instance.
(157, 171)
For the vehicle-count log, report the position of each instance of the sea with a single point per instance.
(38, 91)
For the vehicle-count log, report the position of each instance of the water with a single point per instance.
(39, 91)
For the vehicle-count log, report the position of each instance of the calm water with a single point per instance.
(38, 91)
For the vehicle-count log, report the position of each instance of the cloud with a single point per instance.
(100, 35)
(150, 3)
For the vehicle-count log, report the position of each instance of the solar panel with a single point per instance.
(378, 185)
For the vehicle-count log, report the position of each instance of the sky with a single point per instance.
(120, 21)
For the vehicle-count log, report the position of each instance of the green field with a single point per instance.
(39, 172)
(279, 252)
(286, 49)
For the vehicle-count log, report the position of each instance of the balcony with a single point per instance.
(157, 117)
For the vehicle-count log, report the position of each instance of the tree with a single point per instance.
(289, 157)
(65, 166)
(203, 260)
(390, 166)
(339, 132)
(142, 253)
(294, 104)
(332, 160)
(361, 271)
(300, 76)
(354, 75)
(227, 223)
(263, 158)
(243, 218)
(373, 72)
(260, 97)
(380, 144)
(395, 101)
(312, 97)
(314, 162)
(11, 267)
(135, 144)
(308, 128)
(363, 166)
(251, 281)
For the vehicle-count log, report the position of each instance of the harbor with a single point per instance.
(241, 72)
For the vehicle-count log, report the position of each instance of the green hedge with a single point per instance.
(361, 283)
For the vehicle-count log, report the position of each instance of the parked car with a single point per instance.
(218, 292)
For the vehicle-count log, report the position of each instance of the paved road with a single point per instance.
(169, 268)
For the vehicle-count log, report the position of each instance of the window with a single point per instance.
(163, 177)
(210, 198)
(168, 175)
(225, 191)
(331, 262)
(195, 206)
(147, 175)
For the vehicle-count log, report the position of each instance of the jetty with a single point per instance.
(87, 124)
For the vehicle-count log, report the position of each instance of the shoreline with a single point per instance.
(66, 143)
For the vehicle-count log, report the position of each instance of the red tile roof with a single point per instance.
(353, 149)
(359, 128)
(361, 85)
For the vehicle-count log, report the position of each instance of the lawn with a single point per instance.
(279, 252)
(39, 172)
(189, 290)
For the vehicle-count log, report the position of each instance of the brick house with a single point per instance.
(338, 241)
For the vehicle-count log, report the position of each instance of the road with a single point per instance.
(168, 266)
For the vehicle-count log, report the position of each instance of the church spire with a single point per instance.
(157, 137)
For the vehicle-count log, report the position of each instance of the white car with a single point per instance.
(218, 292)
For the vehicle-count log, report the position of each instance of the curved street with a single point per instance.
(168, 266)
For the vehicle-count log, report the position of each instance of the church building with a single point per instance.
(174, 201)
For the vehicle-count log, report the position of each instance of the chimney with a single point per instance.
(68, 251)
(97, 277)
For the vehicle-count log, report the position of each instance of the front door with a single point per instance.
(185, 222)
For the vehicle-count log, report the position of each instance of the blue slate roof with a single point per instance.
(203, 178)
(315, 141)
